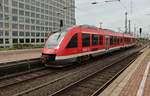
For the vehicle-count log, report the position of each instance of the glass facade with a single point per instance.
(29, 21)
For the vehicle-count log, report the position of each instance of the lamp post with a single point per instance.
(62, 21)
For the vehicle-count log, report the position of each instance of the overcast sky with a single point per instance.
(113, 14)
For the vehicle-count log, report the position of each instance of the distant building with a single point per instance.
(29, 21)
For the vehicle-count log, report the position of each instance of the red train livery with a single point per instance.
(79, 43)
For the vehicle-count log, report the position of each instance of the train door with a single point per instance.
(107, 43)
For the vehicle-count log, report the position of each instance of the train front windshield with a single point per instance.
(55, 39)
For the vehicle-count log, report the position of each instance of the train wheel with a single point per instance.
(79, 60)
(90, 58)
(83, 59)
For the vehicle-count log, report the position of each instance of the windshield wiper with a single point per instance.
(59, 36)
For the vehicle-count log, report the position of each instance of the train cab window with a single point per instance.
(101, 40)
(94, 39)
(85, 39)
(73, 42)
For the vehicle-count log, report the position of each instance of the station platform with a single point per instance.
(17, 55)
(134, 81)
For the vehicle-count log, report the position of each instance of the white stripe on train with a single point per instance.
(87, 53)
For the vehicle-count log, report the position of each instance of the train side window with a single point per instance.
(85, 39)
(115, 40)
(111, 40)
(101, 40)
(94, 39)
(73, 43)
(118, 40)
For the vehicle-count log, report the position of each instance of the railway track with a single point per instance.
(11, 69)
(94, 83)
(51, 83)
(24, 77)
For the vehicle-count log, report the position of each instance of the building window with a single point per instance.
(38, 28)
(37, 21)
(73, 43)
(85, 39)
(46, 34)
(27, 7)
(15, 26)
(21, 40)
(27, 13)
(6, 2)
(32, 27)
(21, 33)
(33, 21)
(42, 16)
(37, 15)
(46, 28)
(14, 3)
(38, 34)
(21, 26)
(1, 24)
(6, 41)
(27, 33)
(6, 33)
(14, 18)
(42, 40)
(21, 5)
(21, 12)
(101, 40)
(27, 20)
(46, 17)
(21, 19)
(6, 17)
(1, 16)
(42, 11)
(27, 27)
(94, 39)
(32, 8)
(37, 3)
(32, 14)
(15, 33)
(37, 9)
(33, 2)
(32, 40)
(27, 1)
(1, 32)
(37, 40)
(14, 11)
(6, 9)
(27, 40)
(1, 41)
(42, 34)
(6, 25)
(21, 0)
(15, 40)
(42, 28)
(33, 34)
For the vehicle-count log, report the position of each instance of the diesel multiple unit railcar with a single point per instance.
(81, 42)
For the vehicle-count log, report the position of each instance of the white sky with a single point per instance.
(113, 14)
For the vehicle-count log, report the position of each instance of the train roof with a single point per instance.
(94, 29)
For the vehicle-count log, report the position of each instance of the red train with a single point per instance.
(79, 43)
